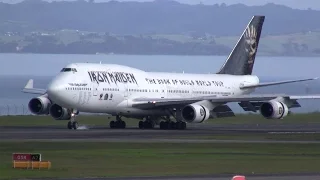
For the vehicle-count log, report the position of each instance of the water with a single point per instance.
(16, 69)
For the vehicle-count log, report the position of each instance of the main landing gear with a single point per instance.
(173, 125)
(118, 124)
(147, 124)
(168, 124)
(73, 124)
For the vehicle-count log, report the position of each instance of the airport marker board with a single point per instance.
(26, 157)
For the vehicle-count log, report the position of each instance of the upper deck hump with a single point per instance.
(105, 67)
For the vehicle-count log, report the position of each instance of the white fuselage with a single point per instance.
(109, 88)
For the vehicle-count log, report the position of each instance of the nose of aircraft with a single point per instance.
(55, 90)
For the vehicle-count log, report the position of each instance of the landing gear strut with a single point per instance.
(73, 124)
(169, 124)
(118, 124)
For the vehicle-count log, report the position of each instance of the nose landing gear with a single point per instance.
(73, 124)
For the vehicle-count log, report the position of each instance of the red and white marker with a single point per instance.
(238, 177)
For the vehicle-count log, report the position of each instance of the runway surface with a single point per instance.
(133, 134)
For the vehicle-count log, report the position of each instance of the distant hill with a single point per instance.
(158, 17)
(159, 27)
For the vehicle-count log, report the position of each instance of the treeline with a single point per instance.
(158, 17)
(110, 44)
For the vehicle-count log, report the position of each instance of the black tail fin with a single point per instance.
(241, 59)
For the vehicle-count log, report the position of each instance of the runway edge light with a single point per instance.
(29, 161)
(238, 177)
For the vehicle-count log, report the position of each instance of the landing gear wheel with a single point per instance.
(75, 125)
(181, 125)
(148, 125)
(69, 125)
(162, 124)
(121, 124)
(173, 125)
(141, 125)
(117, 124)
(112, 124)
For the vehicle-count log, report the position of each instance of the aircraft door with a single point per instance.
(95, 89)
(126, 91)
(163, 91)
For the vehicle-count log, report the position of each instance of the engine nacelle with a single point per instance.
(274, 110)
(195, 113)
(39, 105)
(60, 113)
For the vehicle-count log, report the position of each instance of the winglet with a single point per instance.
(239, 177)
(29, 84)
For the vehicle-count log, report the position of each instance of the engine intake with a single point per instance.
(60, 113)
(274, 110)
(39, 105)
(195, 113)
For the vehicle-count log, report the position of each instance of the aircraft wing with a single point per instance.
(30, 89)
(149, 103)
(275, 83)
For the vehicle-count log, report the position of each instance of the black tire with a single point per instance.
(173, 125)
(75, 125)
(166, 125)
(123, 124)
(112, 124)
(69, 125)
(141, 125)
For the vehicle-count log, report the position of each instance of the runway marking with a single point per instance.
(137, 140)
(293, 132)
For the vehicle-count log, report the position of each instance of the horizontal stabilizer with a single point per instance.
(29, 88)
(275, 83)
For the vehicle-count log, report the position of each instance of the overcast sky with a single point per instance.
(297, 4)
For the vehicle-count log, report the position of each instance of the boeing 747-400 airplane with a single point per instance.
(156, 97)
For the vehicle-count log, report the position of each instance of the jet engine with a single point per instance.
(274, 110)
(60, 113)
(195, 113)
(39, 105)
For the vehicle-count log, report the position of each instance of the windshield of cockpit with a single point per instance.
(68, 70)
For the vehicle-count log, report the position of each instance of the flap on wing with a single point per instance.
(250, 106)
(222, 111)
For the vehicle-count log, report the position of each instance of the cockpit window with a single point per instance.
(68, 70)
